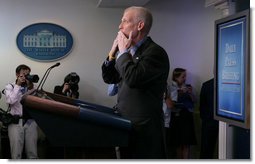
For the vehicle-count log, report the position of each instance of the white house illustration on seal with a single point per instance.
(44, 39)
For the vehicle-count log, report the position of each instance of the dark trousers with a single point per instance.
(209, 138)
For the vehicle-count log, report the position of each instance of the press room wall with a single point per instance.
(185, 28)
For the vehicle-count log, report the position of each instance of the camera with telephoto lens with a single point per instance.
(32, 78)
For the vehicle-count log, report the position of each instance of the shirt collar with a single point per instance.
(135, 47)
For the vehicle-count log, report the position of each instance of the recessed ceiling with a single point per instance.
(121, 3)
(214, 2)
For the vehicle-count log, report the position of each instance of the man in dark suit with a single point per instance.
(210, 127)
(140, 67)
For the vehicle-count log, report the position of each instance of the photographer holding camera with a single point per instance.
(70, 89)
(24, 129)
(70, 86)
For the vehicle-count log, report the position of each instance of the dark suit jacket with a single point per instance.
(207, 100)
(210, 126)
(142, 81)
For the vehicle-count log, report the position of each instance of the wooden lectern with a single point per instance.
(68, 122)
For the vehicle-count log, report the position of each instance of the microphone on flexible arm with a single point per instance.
(46, 74)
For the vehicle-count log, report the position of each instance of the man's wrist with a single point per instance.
(122, 52)
(111, 57)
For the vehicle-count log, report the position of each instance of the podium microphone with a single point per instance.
(55, 65)
(45, 76)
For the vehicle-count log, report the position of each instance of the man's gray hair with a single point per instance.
(143, 14)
